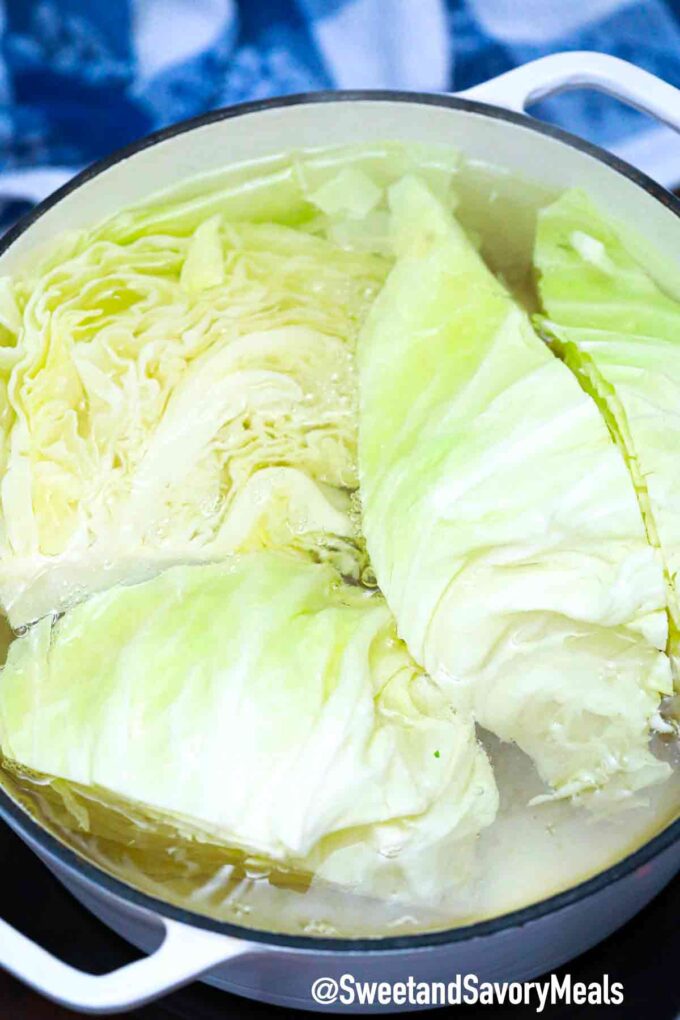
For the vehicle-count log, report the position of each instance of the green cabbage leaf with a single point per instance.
(262, 704)
(501, 521)
(620, 332)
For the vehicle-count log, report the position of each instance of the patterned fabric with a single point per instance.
(79, 78)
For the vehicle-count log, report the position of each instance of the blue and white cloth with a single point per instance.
(79, 78)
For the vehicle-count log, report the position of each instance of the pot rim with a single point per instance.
(446, 100)
(18, 818)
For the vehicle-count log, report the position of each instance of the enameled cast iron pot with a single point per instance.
(486, 123)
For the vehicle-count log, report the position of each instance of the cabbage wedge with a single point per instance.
(501, 520)
(260, 703)
(621, 334)
(175, 399)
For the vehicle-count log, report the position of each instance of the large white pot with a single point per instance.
(281, 969)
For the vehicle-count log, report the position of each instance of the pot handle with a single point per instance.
(184, 954)
(558, 72)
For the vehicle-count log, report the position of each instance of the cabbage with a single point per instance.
(177, 383)
(260, 703)
(501, 521)
(173, 399)
(292, 189)
(621, 334)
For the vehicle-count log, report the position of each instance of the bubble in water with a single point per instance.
(256, 870)
(391, 851)
(319, 928)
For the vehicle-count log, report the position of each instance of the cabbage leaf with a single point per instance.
(621, 334)
(501, 520)
(264, 704)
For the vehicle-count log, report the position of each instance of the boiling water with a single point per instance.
(528, 853)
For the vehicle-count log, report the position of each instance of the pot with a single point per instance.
(487, 123)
